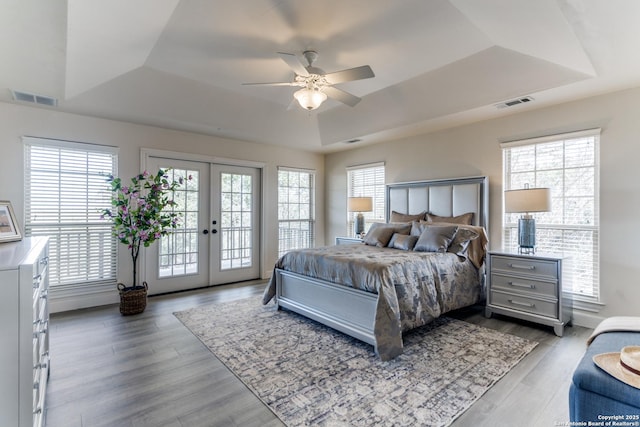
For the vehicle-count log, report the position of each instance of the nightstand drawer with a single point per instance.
(348, 240)
(522, 265)
(522, 285)
(526, 304)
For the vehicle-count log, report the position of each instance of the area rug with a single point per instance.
(309, 374)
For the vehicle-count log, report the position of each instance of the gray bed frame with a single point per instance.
(352, 311)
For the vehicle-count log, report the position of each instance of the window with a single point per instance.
(366, 181)
(569, 165)
(296, 220)
(65, 192)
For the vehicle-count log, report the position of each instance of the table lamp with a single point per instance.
(359, 205)
(525, 201)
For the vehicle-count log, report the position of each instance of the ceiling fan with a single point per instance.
(316, 84)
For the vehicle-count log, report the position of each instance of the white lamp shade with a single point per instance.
(310, 99)
(360, 204)
(527, 200)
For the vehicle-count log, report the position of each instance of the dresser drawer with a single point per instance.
(525, 304)
(40, 305)
(39, 395)
(532, 267)
(524, 285)
(40, 270)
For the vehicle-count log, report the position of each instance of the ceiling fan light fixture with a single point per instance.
(310, 99)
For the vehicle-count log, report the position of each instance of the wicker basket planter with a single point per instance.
(133, 300)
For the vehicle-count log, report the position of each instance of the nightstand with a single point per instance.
(344, 240)
(528, 287)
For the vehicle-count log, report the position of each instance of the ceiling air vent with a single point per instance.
(34, 99)
(514, 102)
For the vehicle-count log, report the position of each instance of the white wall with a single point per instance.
(474, 150)
(18, 120)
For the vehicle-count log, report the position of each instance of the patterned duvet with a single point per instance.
(413, 288)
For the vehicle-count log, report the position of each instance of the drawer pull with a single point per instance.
(523, 304)
(522, 285)
(522, 267)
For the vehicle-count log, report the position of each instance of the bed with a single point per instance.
(376, 293)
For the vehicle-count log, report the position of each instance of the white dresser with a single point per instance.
(24, 331)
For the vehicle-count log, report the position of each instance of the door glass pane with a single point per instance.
(178, 251)
(236, 220)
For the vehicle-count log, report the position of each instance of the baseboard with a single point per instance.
(586, 319)
(59, 303)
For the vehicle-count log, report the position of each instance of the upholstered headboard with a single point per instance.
(443, 197)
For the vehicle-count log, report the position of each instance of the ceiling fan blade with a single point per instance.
(358, 73)
(340, 95)
(295, 64)
(270, 84)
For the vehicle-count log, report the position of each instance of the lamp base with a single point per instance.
(358, 225)
(526, 251)
(527, 235)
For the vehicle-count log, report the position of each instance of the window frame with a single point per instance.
(300, 240)
(376, 190)
(549, 225)
(96, 265)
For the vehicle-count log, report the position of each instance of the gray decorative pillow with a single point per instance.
(436, 238)
(379, 234)
(403, 241)
(417, 227)
(400, 228)
(466, 218)
(461, 241)
(400, 217)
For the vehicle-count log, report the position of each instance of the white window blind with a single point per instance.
(366, 181)
(296, 219)
(569, 165)
(65, 192)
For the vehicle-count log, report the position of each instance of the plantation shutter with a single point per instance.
(65, 192)
(367, 181)
(569, 165)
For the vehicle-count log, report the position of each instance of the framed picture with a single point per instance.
(9, 229)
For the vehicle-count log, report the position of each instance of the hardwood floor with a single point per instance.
(149, 370)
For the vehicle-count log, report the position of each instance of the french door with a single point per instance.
(218, 238)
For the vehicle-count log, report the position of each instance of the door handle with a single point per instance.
(205, 231)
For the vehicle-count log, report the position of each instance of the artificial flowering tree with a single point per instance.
(141, 212)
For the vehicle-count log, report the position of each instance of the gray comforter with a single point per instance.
(413, 288)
